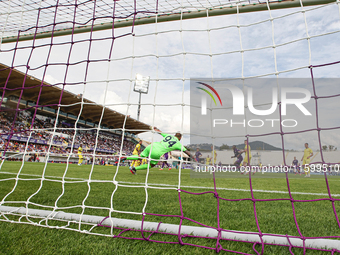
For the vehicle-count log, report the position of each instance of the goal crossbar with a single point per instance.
(318, 243)
(244, 8)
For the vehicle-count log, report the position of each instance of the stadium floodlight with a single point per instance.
(141, 86)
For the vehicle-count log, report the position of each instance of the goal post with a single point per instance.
(182, 230)
(213, 75)
(243, 7)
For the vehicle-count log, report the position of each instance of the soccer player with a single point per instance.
(157, 149)
(307, 154)
(80, 151)
(175, 162)
(213, 155)
(295, 164)
(136, 151)
(165, 162)
(144, 161)
(238, 156)
(198, 154)
(247, 151)
(260, 167)
(208, 160)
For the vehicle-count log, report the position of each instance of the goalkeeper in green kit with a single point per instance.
(157, 149)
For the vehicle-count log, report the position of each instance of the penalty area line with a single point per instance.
(231, 189)
(175, 186)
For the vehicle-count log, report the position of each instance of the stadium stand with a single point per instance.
(23, 119)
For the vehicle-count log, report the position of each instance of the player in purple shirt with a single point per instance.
(165, 162)
(198, 154)
(238, 155)
(296, 166)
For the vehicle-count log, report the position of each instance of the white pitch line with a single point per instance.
(193, 187)
(243, 190)
(35, 175)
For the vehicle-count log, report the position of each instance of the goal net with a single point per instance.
(84, 81)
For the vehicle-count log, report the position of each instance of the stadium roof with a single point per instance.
(70, 103)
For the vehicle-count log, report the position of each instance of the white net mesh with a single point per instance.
(83, 79)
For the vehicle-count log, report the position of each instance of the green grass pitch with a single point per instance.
(314, 218)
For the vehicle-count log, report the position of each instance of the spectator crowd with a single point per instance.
(45, 138)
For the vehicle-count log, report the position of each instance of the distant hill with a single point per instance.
(202, 147)
(256, 145)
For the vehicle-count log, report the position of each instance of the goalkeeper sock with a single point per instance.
(142, 167)
(132, 158)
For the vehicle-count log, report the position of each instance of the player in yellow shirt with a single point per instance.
(80, 151)
(208, 160)
(246, 150)
(137, 152)
(213, 155)
(307, 154)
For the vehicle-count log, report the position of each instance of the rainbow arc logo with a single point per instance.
(204, 99)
